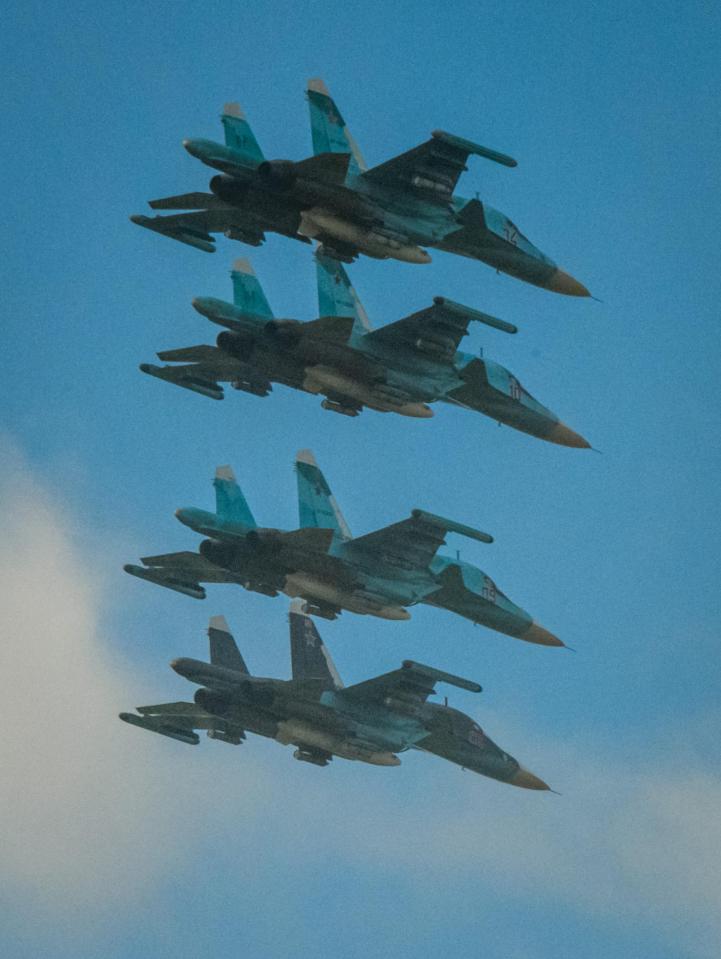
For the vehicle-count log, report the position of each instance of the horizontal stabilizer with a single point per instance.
(180, 377)
(161, 727)
(450, 526)
(163, 578)
(201, 240)
(439, 676)
(189, 201)
(190, 354)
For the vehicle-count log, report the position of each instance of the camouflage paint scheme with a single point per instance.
(391, 211)
(378, 574)
(400, 368)
(368, 722)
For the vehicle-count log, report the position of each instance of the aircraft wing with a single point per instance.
(413, 682)
(195, 228)
(433, 168)
(434, 332)
(180, 720)
(204, 368)
(192, 564)
(182, 572)
(207, 215)
(413, 542)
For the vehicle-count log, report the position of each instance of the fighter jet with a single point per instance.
(378, 574)
(368, 722)
(400, 368)
(391, 211)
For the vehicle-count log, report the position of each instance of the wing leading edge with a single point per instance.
(414, 542)
(412, 681)
(433, 168)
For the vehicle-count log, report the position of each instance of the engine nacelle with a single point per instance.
(220, 554)
(239, 345)
(229, 188)
(211, 701)
(265, 540)
(284, 332)
(279, 174)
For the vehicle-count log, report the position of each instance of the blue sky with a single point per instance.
(120, 845)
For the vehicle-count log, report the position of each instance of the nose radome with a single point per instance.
(526, 780)
(565, 436)
(562, 282)
(537, 634)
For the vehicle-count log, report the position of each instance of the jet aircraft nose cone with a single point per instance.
(537, 634)
(565, 436)
(527, 780)
(562, 282)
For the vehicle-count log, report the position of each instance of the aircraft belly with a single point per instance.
(486, 759)
(361, 599)
(389, 729)
(383, 396)
(304, 734)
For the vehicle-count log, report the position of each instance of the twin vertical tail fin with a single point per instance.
(309, 657)
(336, 295)
(238, 135)
(317, 507)
(223, 648)
(328, 129)
(248, 294)
(230, 504)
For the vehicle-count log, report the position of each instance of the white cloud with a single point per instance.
(85, 804)
(632, 847)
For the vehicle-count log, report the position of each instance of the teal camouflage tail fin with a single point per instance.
(238, 135)
(308, 655)
(336, 295)
(223, 648)
(230, 504)
(330, 134)
(248, 294)
(317, 507)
